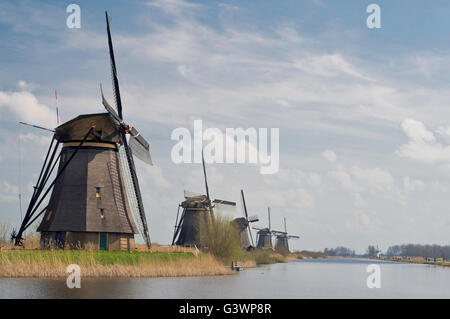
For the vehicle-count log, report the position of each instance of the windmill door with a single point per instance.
(103, 241)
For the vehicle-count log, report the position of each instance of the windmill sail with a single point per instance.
(246, 216)
(133, 190)
(109, 108)
(138, 144)
(140, 150)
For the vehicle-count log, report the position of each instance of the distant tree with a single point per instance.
(415, 250)
(339, 251)
(372, 251)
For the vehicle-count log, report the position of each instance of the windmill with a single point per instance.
(96, 191)
(264, 235)
(243, 225)
(282, 239)
(194, 207)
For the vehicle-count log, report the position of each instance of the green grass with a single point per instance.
(82, 257)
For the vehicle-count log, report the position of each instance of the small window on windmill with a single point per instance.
(63, 157)
(102, 213)
(98, 193)
(49, 215)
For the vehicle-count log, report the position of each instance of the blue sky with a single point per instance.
(363, 116)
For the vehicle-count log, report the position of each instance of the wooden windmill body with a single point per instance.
(282, 239)
(264, 235)
(95, 192)
(243, 226)
(194, 209)
(89, 205)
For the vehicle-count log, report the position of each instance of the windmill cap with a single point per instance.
(76, 129)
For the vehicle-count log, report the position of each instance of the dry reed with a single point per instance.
(22, 263)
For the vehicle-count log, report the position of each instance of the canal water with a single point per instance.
(314, 278)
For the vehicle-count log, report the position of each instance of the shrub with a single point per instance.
(220, 237)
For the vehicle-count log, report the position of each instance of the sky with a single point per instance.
(363, 114)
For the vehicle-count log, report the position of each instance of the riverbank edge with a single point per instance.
(442, 264)
(21, 263)
(117, 264)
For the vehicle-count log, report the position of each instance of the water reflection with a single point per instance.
(330, 278)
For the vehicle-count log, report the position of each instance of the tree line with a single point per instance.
(339, 251)
(416, 250)
(410, 250)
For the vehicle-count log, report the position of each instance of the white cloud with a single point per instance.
(8, 193)
(416, 131)
(327, 66)
(444, 131)
(412, 185)
(376, 178)
(422, 145)
(24, 106)
(173, 6)
(24, 86)
(329, 156)
(227, 6)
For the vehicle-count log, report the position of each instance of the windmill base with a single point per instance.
(87, 240)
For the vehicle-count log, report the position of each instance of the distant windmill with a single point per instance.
(243, 225)
(195, 207)
(282, 239)
(264, 235)
(96, 191)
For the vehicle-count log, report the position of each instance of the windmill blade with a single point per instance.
(139, 150)
(36, 126)
(253, 219)
(138, 144)
(243, 204)
(246, 217)
(135, 133)
(133, 190)
(206, 180)
(115, 79)
(224, 202)
(293, 237)
(256, 228)
(109, 108)
(178, 225)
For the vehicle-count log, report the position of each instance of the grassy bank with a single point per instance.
(219, 239)
(44, 263)
(262, 257)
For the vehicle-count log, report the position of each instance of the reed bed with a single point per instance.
(53, 264)
(263, 256)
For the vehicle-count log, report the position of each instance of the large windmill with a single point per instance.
(96, 191)
(195, 207)
(243, 225)
(264, 235)
(282, 239)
